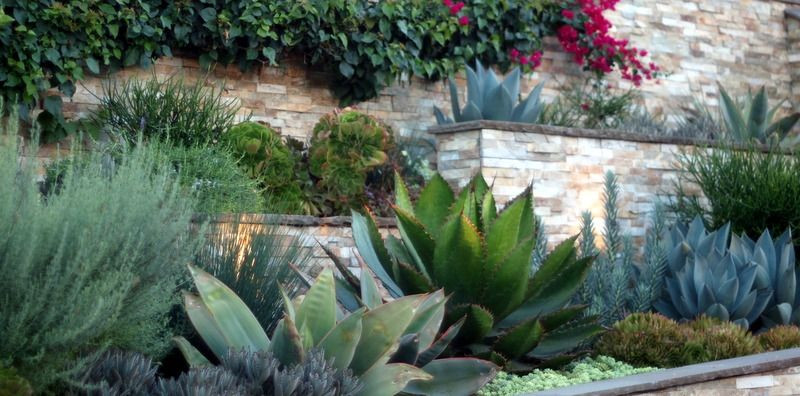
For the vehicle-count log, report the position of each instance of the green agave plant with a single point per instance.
(752, 119)
(743, 281)
(481, 258)
(392, 347)
(490, 99)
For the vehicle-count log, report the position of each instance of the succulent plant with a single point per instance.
(714, 339)
(482, 260)
(780, 337)
(617, 284)
(490, 99)
(704, 277)
(239, 373)
(345, 146)
(752, 119)
(645, 339)
(778, 264)
(653, 339)
(379, 344)
(753, 284)
(265, 157)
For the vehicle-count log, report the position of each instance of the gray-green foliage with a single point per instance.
(540, 244)
(253, 260)
(239, 374)
(751, 118)
(617, 285)
(186, 113)
(95, 265)
(586, 370)
(490, 99)
(212, 176)
(750, 283)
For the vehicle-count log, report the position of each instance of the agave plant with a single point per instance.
(380, 344)
(778, 264)
(752, 119)
(490, 99)
(482, 260)
(740, 282)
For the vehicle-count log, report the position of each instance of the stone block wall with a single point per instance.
(777, 382)
(793, 37)
(566, 168)
(698, 42)
(310, 233)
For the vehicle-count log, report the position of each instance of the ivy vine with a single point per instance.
(365, 45)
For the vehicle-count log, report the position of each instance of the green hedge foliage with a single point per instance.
(365, 44)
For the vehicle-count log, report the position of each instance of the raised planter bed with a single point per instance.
(774, 373)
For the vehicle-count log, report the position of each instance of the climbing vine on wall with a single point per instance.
(366, 45)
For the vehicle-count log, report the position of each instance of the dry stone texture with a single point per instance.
(779, 382)
(566, 173)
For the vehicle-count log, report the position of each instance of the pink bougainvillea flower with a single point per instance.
(463, 21)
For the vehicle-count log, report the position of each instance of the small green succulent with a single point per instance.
(345, 146)
(265, 157)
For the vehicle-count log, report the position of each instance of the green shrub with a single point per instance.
(12, 384)
(617, 284)
(586, 370)
(360, 43)
(255, 261)
(187, 114)
(644, 339)
(266, 158)
(212, 176)
(653, 340)
(714, 339)
(780, 337)
(589, 104)
(751, 189)
(345, 147)
(95, 265)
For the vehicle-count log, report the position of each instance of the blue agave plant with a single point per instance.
(490, 99)
(750, 283)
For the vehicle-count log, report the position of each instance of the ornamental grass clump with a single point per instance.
(644, 339)
(95, 265)
(650, 339)
(188, 114)
(780, 337)
(748, 188)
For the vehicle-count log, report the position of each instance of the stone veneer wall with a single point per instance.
(777, 382)
(566, 168)
(700, 42)
(331, 232)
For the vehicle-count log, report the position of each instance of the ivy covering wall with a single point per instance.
(364, 44)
